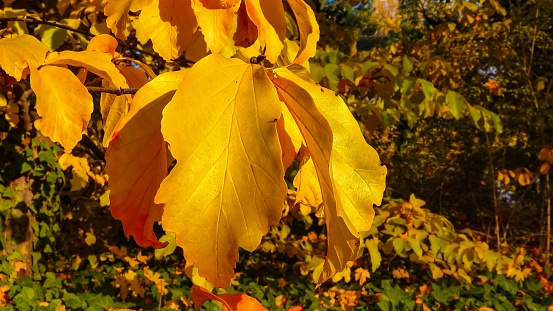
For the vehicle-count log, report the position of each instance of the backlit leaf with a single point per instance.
(270, 20)
(216, 25)
(18, 54)
(103, 43)
(309, 30)
(170, 25)
(65, 115)
(307, 183)
(359, 181)
(117, 12)
(228, 184)
(95, 61)
(137, 160)
(317, 133)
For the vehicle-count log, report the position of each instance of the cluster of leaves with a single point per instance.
(248, 128)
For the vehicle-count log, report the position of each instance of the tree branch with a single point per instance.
(115, 91)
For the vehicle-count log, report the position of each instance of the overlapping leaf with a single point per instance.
(228, 184)
(65, 114)
(309, 30)
(16, 55)
(216, 24)
(117, 12)
(170, 25)
(137, 160)
(270, 20)
(95, 61)
(348, 189)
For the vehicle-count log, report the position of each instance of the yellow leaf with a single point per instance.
(270, 20)
(342, 237)
(90, 238)
(18, 26)
(359, 182)
(362, 275)
(112, 108)
(170, 25)
(79, 170)
(20, 53)
(229, 172)
(137, 160)
(103, 43)
(216, 25)
(97, 62)
(309, 30)
(65, 115)
(117, 12)
(307, 183)
(288, 150)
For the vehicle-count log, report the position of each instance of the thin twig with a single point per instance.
(114, 91)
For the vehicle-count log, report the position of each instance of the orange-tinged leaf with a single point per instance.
(170, 25)
(342, 238)
(270, 20)
(216, 25)
(309, 30)
(18, 54)
(137, 161)
(136, 78)
(246, 30)
(228, 184)
(544, 168)
(65, 115)
(232, 302)
(288, 151)
(103, 43)
(117, 12)
(112, 108)
(97, 62)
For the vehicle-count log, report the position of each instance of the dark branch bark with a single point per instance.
(98, 89)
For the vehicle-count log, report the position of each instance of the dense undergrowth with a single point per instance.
(412, 259)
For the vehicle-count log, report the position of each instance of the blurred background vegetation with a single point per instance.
(454, 95)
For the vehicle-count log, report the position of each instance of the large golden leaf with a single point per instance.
(228, 184)
(65, 114)
(117, 12)
(170, 25)
(137, 160)
(359, 179)
(18, 54)
(270, 20)
(343, 239)
(95, 61)
(216, 25)
(309, 30)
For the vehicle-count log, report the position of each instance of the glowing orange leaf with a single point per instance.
(137, 160)
(231, 302)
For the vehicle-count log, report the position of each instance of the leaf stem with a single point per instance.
(115, 91)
